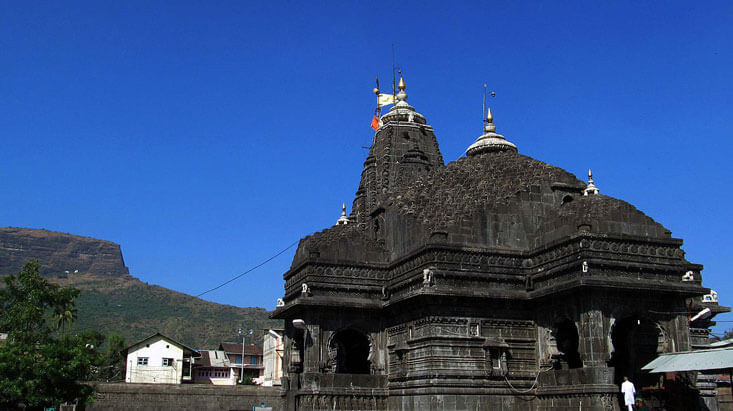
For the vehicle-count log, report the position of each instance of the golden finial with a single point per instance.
(489, 116)
(590, 176)
(402, 84)
(376, 91)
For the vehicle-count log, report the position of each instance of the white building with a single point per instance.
(158, 360)
(272, 357)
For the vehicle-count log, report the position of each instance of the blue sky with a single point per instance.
(204, 138)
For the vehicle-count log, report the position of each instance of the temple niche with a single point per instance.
(496, 281)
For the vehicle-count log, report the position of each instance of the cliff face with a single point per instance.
(59, 254)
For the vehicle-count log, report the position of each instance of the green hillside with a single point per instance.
(112, 300)
(135, 310)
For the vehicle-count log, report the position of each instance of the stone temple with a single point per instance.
(495, 282)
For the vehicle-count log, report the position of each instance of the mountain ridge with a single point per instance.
(114, 301)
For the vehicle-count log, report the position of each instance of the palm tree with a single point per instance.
(64, 317)
(64, 312)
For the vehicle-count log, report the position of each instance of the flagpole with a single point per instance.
(377, 111)
(376, 92)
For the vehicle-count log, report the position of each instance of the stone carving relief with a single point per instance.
(427, 277)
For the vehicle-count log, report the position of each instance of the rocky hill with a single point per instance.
(114, 301)
(59, 253)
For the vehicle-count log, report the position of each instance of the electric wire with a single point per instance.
(536, 379)
(248, 271)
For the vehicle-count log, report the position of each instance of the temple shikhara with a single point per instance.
(494, 282)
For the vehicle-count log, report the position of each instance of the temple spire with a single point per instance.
(490, 140)
(590, 188)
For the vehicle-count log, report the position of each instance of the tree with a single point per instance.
(39, 364)
(113, 365)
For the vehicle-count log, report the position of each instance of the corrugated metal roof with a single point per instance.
(723, 343)
(213, 358)
(699, 360)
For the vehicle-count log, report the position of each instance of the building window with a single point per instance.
(167, 362)
(142, 360)
(253, 360)
(237, 359)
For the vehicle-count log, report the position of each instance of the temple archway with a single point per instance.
(349, 352)
(567, 341)
(635, 343)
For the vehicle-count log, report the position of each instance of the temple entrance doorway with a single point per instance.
(349, 352)
(635, 341)
(567, 340)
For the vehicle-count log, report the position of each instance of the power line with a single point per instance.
(250, 270)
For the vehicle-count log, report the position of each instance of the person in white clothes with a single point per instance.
(629, 392)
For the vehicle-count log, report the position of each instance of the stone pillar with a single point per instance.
(593, 333)
(312, 348)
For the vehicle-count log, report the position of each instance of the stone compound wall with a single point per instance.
(159, 397)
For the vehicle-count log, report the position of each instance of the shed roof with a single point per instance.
(699, 360)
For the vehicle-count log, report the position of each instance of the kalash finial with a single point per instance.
(591, 188)
(490, 126)
(343, 219)
(490, 141)
(402, 95)
(402, 111)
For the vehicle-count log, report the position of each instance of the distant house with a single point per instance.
(215, 368)
(159, 360)
(272, 356)
(251, 364)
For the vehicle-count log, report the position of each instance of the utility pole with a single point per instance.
(241, 359)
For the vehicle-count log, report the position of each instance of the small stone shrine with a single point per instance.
(495, 282)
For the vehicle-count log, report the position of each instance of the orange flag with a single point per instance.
(375, 123)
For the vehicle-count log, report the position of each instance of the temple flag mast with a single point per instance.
(382, 100)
